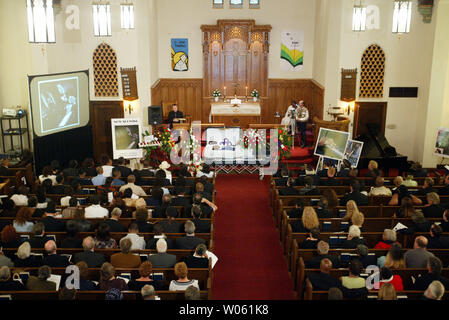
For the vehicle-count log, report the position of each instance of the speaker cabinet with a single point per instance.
(154, 115)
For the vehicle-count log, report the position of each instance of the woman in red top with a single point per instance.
(386, 276)
(388, 238)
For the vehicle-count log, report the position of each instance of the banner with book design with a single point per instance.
(180, 54)
(292, 50)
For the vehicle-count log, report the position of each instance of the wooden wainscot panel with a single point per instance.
(187, 93)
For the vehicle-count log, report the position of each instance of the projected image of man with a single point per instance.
(59, 104)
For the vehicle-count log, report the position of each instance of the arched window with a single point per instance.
(372, 73)
(105, 71)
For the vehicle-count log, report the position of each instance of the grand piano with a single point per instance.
(376, 147)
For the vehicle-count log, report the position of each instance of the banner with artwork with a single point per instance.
(180, 54)
(126, 136)
(292, 50)
(442, 144)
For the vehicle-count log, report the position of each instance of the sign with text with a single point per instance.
(126, 135)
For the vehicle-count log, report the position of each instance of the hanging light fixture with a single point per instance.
(41, 21)
(102, 19)
(402, 16)
(127, 15)
(359, 17)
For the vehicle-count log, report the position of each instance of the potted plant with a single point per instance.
(216, 94)
(255, 95)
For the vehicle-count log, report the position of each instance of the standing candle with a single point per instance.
(246, 91)
(225, 91)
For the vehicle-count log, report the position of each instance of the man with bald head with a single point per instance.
(92, 259)
(323, 280)
(418, 256)
(53, 259)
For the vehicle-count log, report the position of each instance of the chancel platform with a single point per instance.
(241, 115)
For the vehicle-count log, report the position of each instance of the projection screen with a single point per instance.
(59, 102)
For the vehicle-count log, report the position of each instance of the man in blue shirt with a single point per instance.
(116, 173)
(99, 179)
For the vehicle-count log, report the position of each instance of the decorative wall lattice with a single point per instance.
(105, 71)
(372, 73)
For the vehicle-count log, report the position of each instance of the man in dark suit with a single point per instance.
(201, 226)
(162, 259)
(39, 239)
(189, 242)
(309, 189)
(125, 171)
(344, 170)
(323, 280)
(179, 199)
(174, 115)
(59, 187)
(445, 190)
(113, 223)
(53, 259)
(199, 259)
(436, 240)
(51, 223)
(159, 234)
(4, 170)
(208, 186)
(81, 178)
(290, 190)
(93, 259)
(323, 250)
(354, 194)
(207, 207)
(434, 267)
(144, 172)
(312, 240)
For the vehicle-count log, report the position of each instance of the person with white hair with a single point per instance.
(113, 221)
(24, 257)
(92, 259)
(147, 292)
(162, 259)
(354, 238)
(388, 238)
(53, 259)
(7, 283)
(435, 291)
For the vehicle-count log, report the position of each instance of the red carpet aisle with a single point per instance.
(251, 264)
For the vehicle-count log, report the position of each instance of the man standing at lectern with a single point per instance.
(174, 116)
(302, 118)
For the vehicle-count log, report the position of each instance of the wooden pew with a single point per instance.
(202, 275)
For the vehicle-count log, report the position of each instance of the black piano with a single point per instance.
(377, 148)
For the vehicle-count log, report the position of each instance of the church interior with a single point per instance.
(353, 95)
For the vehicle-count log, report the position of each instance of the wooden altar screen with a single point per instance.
(235, 56)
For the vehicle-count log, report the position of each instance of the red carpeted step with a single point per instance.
(251, 263)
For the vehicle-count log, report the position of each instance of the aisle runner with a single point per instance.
(252, 264)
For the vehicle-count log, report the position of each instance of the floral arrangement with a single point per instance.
(158, 146)
(285, 143)
(252, 138)
(216, 93)
(194, 167)
(255, 94)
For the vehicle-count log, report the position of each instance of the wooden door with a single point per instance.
(101, 113)
(369, 112)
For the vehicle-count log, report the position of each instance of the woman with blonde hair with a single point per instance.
(357, 219)
(351, 208)
(387, 292)
(308, 221)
